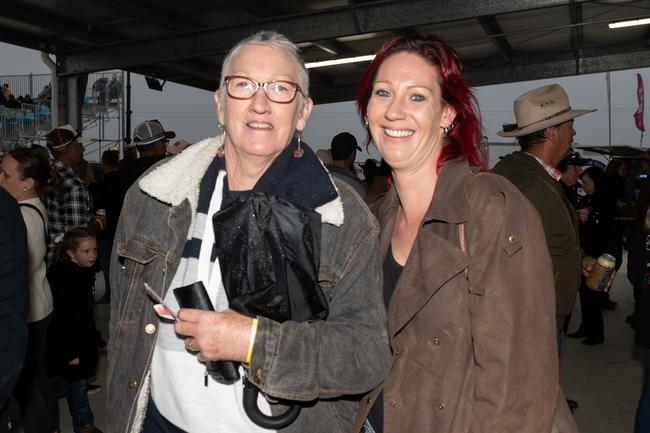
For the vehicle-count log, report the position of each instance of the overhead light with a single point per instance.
(343, 61)
(154, 83)
(630, 23)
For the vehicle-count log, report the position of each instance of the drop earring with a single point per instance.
(447, 129)
(298, 152)
(365, 121)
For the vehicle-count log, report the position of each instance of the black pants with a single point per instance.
(154, 422)
(592, 325)
(39, 407)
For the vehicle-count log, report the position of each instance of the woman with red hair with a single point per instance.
(468, 283)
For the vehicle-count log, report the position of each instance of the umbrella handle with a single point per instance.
(276, 422)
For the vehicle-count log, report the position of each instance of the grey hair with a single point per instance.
(273, 40)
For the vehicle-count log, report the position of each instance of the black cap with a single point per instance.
(343, 145)
(573, 158)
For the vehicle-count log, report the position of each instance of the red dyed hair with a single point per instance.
(464, 139)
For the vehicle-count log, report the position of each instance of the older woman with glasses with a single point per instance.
(171, 236)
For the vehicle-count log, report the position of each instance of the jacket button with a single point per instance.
(258, 374)
(436, 341)
(397, 352)
(392, 403)
(441, 406)
(369, 401)
(512, 239)
(150, 328)
(132, 384)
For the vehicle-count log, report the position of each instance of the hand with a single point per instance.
(587, 265)
(74, 362)
(583, 215)
(215, 336)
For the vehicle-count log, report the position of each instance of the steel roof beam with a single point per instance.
(149, 14)
(577, 32)
(541, 68)
(57, 24)
(492, 27)
(534, 69)
(327, 24)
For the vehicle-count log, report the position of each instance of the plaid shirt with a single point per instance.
(68, 205)
(552, 171)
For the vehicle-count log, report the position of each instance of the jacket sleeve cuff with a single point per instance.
(264, 349)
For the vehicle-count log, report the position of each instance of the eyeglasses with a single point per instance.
(279, 91)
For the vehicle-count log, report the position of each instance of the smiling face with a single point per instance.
(85, 254)
(406, 112)
(259, 128)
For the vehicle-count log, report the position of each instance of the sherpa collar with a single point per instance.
(179, 178)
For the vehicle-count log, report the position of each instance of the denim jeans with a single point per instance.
(154, 422)
(642, 422)
(78, 403)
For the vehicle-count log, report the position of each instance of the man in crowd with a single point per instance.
(150, 139)
(570, 169)
(344, 151)
(69, 204)
(544, 130)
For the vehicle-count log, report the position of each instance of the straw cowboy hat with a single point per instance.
(539, 109)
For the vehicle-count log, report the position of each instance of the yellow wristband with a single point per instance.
(252, 341)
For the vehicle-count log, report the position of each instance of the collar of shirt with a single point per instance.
(552, 171)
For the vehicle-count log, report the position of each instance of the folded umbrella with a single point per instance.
(269, 255)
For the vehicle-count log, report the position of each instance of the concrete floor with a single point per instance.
(605, 379)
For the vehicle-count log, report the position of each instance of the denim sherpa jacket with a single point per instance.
(327, 363)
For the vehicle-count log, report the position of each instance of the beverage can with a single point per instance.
(601, 272)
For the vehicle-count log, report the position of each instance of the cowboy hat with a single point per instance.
(539, 109)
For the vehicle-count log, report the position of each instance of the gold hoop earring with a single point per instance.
(298, 152)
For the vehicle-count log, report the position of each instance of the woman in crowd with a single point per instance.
(467, 277)
(596, 216)
(71, 350)
(156, 377)
(24, 173)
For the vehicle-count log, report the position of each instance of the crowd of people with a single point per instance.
(443, 306)
(9, 100)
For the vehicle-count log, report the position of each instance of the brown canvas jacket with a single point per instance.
(473, 351)
(558, 218)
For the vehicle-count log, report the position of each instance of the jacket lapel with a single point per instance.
(436, 256)
(432, 262)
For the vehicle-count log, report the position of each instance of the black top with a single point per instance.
(71, 333)
(392, 271)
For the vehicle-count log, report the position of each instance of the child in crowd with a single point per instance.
(71, 350)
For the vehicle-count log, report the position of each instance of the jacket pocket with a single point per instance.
(138, 249)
